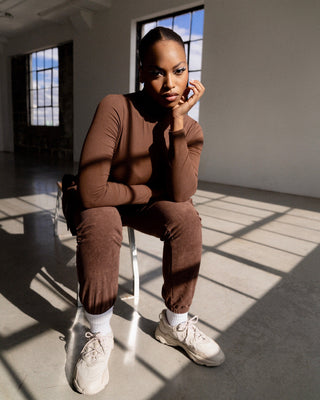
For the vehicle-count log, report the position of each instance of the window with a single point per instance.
(43, 75)
(189, 25)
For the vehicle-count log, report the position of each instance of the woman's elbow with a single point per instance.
(87, 203)
(179, 196)
(87, 199)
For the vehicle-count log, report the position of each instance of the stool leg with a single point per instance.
(58, 206)
(79, 304)
(134, 262)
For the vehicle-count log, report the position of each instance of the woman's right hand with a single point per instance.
(186, 103)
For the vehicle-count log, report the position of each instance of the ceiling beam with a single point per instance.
(95, 5)
(82, 20)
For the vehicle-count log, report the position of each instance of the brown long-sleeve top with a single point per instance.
(129, 155)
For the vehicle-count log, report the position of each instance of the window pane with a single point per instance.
(55, 96)
(40, 116)
(195, 55)
(55, 78)
(55, 57)
(40, 60)
(47, 97)
(33, 98)
(49, 120)
(33, 115)
(147, 27)
(33, 62)
(186, 49)
(55, 116)
(33, 80)
(167, 22)
(194, 112)
(48, 58)
(182, 26)
(41, 98)
(197, 24)
(195, 75)
(48, 78)
(40, 80)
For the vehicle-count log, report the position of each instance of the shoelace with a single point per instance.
(93, 348)
(193, 333)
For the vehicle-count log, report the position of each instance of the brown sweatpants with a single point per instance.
(99, 237)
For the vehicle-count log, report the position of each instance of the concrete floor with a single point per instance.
(258, 295)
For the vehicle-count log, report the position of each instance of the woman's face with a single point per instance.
(165, 72)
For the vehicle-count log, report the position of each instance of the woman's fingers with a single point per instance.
(197, 88)
(186, 94)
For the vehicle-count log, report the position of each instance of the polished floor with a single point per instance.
(258, 294)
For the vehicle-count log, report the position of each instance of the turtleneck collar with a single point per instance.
(148, 107)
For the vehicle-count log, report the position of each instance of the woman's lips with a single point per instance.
(171, 97)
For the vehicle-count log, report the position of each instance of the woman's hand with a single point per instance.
(186, 104)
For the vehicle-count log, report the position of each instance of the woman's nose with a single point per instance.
(169, 82)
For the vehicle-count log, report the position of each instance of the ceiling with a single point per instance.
(18, 16)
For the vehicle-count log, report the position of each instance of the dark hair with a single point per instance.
(153, 36)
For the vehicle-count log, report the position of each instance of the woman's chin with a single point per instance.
(170, 104)
(163, 102)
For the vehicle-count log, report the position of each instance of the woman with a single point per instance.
(139, 168)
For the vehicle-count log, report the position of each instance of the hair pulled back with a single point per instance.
(153, 36)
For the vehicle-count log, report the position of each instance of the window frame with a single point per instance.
(51, 87)
(157, 19)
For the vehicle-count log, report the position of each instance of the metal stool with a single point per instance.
(132, 247)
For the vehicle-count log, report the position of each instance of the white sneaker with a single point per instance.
(200, 348)
(91, 373)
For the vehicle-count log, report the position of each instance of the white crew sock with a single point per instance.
(176, 319)
(100, 323)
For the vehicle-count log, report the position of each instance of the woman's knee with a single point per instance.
(183, 219)
(100, 222)
(185, 212)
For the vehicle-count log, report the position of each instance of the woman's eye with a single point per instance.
(180, 71)
(156, 73)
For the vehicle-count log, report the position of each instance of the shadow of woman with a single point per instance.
(26, 257)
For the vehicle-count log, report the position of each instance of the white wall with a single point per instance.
(261, 110)
(261, 61)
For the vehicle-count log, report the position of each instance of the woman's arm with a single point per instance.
(184, 148)
(96, 158)
(184, 159)
(185, 104)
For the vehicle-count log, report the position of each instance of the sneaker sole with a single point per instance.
(198, 360)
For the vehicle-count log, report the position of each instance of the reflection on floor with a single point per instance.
(258, 294)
